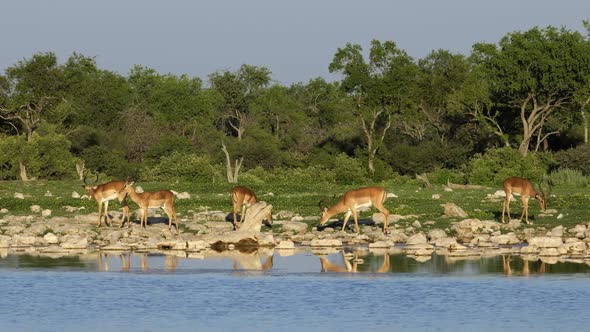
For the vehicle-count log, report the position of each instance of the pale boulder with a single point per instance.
(326, 243)
(546, 242)
(35, 208)
(51, 238)
(296, 226)
(453, 210)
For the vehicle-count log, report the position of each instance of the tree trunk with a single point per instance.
(585, 123)
(80, 169)
(23, 171)
(232, 172)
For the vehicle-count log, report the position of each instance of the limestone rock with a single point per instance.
(326, 243)
(46, 213)
(75, 194)
(74, 242)
(509, 238)
(453, 210)
(51, 238)
(549, 252)
(3, 210)
(197, 245)
(255, 215)
(19, 240)
(284, 214)
(35, 208)
(418, 238)
(436, 233)
(557, 231)
(295, 226)
(19, 196)
(285, 244)
(5, 241)
(416, 224)
(379, 244)
(436, 196)
(219, 226)
(183, 195)
(545, 242)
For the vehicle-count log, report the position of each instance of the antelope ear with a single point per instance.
(95, 187)
(325, 209)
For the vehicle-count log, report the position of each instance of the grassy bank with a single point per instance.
(572, 203)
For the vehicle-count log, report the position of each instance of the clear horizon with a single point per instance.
(296, 41)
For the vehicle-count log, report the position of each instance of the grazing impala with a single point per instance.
(242, 198)
(156, 199)
(103, 194)
(359, 198)
(526, 190)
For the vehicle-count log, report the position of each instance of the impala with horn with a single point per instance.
(354, 200)
(155, 199)
(524, 187)
(104, 193)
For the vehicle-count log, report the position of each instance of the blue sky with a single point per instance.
(296, 40)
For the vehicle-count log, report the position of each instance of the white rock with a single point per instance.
(183, 195)
(499, 193)
(436, 233)
(549, 252)
(418, 238)
(51, 238)
(48, 194)
(560, 216)
(19, 195)
(35, 208)
(416, 224)
(75, 194)
(197, 245)
(326, 243)
(297, 218)
(285, 244)
(453, 210)
(379, 244)
(46, 213)
(139, 189)
(509, 238)
(295, 226)
(557, 231)
(391, 195)
(447, 189)
(3, 210)
(436, 196)
(545, 242)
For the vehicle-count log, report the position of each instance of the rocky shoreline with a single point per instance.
(210, 230)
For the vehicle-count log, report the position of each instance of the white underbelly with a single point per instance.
(364, 206)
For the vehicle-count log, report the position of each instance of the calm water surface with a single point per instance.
(270, 291)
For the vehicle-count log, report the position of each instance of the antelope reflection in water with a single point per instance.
(103, 261)
(251, 260)
(526, 270)
(349, 267)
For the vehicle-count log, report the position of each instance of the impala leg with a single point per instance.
(526, 209)
(99, 213)
(125, 213)
(144, 218)
(385, 212)
(169, 217)
(106, 213)
(356, 221)
(346, 217)
(243, 215)
(508, 207)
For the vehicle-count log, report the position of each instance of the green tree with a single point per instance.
(378, 88)
(535, 73)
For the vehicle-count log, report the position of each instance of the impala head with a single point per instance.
(89, 188)
(323, 204)
(541, 199)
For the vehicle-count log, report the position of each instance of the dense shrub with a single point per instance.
(182, 166)
(495, 165)
(569, 177)
(348, 170)
(414, 159)
(46, 157)
(575, 158)
(443, 176)
(113, 163)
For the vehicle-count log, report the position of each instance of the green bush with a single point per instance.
(569, 177)
(496, 165)
(348, 170)
(443, 176)
(46, 157)
(182, 166)
(577, 158)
